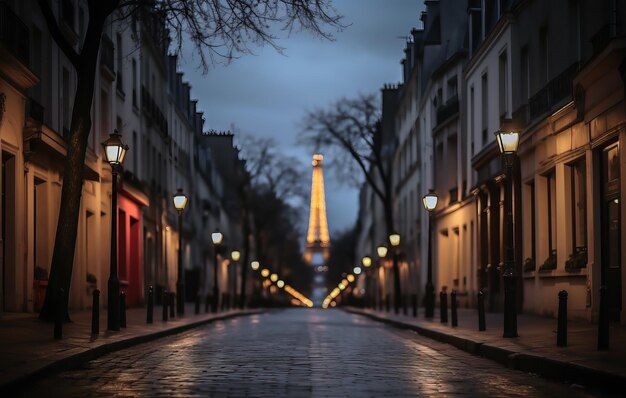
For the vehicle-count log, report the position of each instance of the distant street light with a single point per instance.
(255, 265)
(394, 239)
(356, 270)
(366, 261)
(508, 142)
(265, 272)
(180, 201)
(235, 255)
(382, 251)
(274, 277)
(114, 152)
(216, 237)
(430, 203)
(280, 284)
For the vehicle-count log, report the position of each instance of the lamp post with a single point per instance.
(114, 152)
(235, 255)
(394, 239)
(216, 237)
(430, 203)
(366, 262)
(382, 253)
(507, 143)
(180, 201)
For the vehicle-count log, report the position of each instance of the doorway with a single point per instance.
(611, 273)
(7, 255)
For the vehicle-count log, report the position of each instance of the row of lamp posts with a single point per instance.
(508, 142)
(115, 152)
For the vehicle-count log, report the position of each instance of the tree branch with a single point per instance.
(56, 33)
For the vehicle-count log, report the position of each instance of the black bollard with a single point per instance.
(59, 314)
(603, 321)
(443, 304)
(481, 311)
(150, 315)
(166, 299)
(404, 307)
(172, 302)
(95, 312)
(414, 304)
(561, 330)
(197, 303)
(453, 309)
(122, 309)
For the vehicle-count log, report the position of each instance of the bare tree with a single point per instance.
(352, 126)
(217, 29)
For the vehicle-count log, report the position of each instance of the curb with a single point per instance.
(106, 348)
(526, 362)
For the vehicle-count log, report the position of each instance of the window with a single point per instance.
(65, 101)
(135, 153)
(452, 88)
(578, 199)
(135, 84)
(543, 54)
(485, 107)
(551, 202)
(471, 119)
(524, 74)
(120, 67)
(104, 113)
(504, 84)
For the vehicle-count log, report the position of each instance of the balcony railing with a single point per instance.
(14, 34)
(448, 110)
(35, 110)
(153, 111)
(107, 54)
(556, 90)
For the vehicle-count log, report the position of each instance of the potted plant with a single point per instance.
(577, 260)
(529, 264)
(550, 263)
(40, 284)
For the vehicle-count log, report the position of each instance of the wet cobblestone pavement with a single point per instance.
(296, 353)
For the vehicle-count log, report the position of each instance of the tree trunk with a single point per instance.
(65, 241)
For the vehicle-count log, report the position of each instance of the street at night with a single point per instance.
(297, 353)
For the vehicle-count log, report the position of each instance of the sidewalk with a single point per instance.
(28, 349)
(534, 351)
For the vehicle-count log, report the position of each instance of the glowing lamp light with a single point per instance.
(114, 149)
(382, 251)
(235, 255)
(344, 282)
(350, 278)
(366, 261)
(255, 265)
(280, 284)
(342, 286)
(217, 237)
(430, 200)
(274, 277)
(180, 200)
(394, 239)
(507, 141)
(265, 272)
(357, 270)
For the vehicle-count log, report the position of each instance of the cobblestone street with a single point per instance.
(296, 353)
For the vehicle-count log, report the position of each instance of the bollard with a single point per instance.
(481, 311)
(603, 320)
(172, 303)
(122, 309)
(561, 329)
(59, 314)
(197, 304)
(95, 312)
(166, 299)
(404, 307)
(207, 302)
(150, 315)
(443, 304)
(414, 304)
(453, 309)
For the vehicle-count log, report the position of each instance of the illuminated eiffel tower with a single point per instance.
(317, 239)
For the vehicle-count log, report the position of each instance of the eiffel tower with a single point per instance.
(317, 239)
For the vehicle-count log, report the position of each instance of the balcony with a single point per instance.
(107, 57)
(552, 93)
(14, 34)
(451, 108)
(153, 112)
(34, 110)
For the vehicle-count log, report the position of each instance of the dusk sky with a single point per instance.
(267, 94)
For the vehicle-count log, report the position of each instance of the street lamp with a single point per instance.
(114, 152)
(382, 251)
(235, 255)
(394, 239)
(265, 272)
(216, 237)
(430, 203)
(255, 265)
(366, 261)
(508, 142)
(280, 284)
(274, 277)
(356, 270)
(180, 201)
